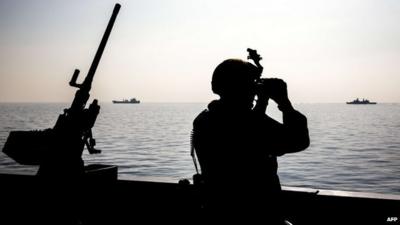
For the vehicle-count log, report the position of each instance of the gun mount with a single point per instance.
(58, 150)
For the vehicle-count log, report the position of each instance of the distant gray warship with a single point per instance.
(360, 102)
(131, 101)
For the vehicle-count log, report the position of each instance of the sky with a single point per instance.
(166, 51)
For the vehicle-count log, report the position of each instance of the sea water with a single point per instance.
(353, 147)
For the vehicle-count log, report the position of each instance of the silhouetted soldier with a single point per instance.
(237, 144)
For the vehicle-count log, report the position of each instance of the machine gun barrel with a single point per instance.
(82, 95)
(87, 83)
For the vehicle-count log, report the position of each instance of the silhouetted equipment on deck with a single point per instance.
(58, 150)
(253, 55)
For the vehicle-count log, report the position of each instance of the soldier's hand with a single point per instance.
(277, 90)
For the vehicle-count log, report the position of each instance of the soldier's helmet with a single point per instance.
(233, 76)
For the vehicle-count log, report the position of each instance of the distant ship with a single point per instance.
(360, 102)
(125, 101)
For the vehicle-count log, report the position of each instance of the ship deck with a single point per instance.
(130, 199)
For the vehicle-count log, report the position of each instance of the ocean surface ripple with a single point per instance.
(353, 147)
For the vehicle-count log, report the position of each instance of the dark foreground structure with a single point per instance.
(127, 200)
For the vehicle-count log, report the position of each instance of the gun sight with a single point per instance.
(74, 77)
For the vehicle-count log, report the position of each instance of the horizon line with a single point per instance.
(175, 102)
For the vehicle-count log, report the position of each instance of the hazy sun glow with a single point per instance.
(165, 51)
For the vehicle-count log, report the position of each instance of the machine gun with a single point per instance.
(58, 150)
